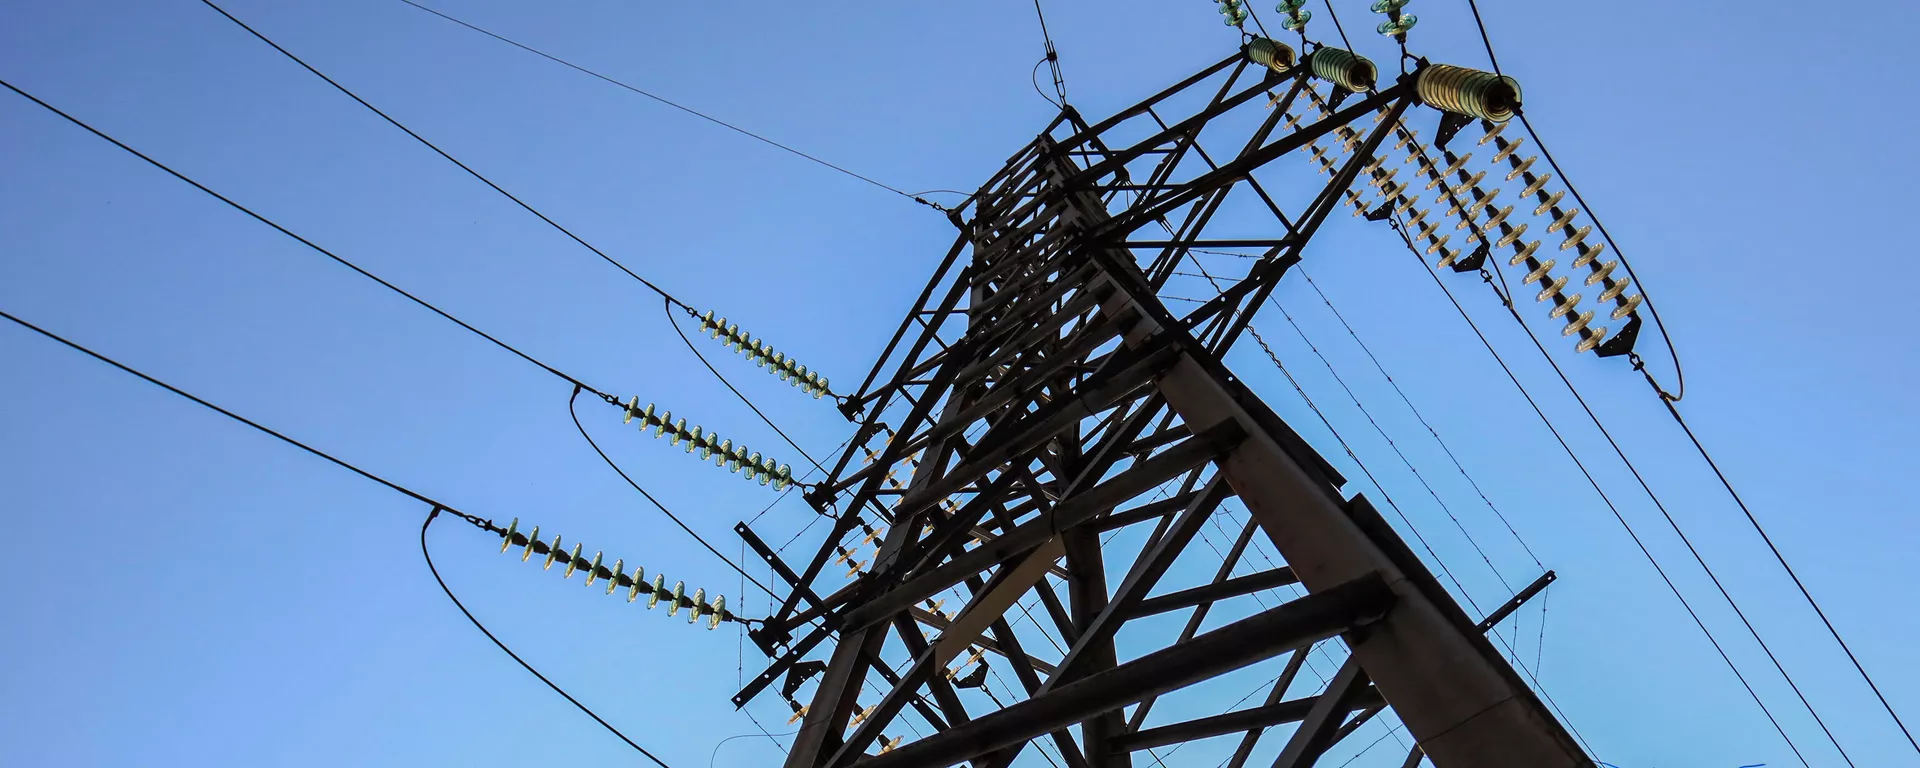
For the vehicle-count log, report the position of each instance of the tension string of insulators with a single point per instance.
(634, 583)
(1613, 289)
(1491, 98)
(788, 369)
(710, 445)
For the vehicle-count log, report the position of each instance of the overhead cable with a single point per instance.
(428, 556)
(443, 153)
(689, 110)
(308, 243)
(1669, 398)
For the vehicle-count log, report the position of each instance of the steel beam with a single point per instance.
(1250, 640)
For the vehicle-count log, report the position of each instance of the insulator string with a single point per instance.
(617, 577)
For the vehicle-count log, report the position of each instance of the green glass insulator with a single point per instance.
(693, 438)
(699, 602)
(679, 432)
(779, 362)
(507, 540)
(725, 452)
(633, 409)
(1385, 6)
(1236, 17)
(1297, 20)
(639, 583)
(1392, 28)
(679, 596)
(705, 442)
(1289, 6)
(660, 426)
(573, 562)
(553, 551)
(719, 611)
(659, 584)
(706, 322)
(619, 568)
(531, 538)
(824, 388)
(594, 570)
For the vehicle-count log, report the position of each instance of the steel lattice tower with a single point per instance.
(1036, 395)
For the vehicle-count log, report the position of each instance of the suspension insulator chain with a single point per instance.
(709, 444)
(788, 369)
(617, 578)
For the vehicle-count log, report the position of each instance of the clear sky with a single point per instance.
(184, 589)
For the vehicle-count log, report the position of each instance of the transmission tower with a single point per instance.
(1039, 398)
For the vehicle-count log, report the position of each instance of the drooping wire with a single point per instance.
(308, 243)
(342, 463)
(443, 153)
(665, 296)
(1631, 533)
(696, 113)
(1680, 376)
(1052, 59)
(575, 413)
(1034, 77)
(428, 556)
(712, 758)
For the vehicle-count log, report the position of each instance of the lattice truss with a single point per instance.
(1066, 534)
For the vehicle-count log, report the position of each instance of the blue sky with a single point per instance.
(186, 589)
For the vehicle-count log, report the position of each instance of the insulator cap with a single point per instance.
(1344, 68)
(1469, 92)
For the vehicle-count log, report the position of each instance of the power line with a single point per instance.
(1332, 14)
(269, 431)
(443, 153)
(656, 502)
(308, 243)
(437, 506)
(682, 108)
(428, 556)
(578, 385)
(672, 321)
(1631, 533)
(1052, 59)
(1675, 525)
(1390, 443)
(667, 297)
(1417, 415)
(1669, 399)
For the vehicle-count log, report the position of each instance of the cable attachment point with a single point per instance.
(723, 452)
(788, 369)
(617, 577)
